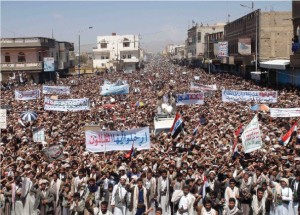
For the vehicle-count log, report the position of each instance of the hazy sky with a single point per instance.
(158, 23)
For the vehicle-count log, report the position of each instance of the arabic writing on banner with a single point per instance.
(62, 90)
(101, 141)
(251, 136)
(3, 123)
(114, 89)
(202, 87)
(285, 112)
(38, 135)
(27, 95)
(244, 96)
(190, 98)
(54, 152)
(66, 104)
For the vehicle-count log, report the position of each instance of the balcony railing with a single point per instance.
(22, 66)
(25, 42)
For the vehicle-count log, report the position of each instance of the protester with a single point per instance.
(203, 170)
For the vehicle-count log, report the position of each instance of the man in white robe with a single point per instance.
(118, 198)
(17, 205)
(258, 204)
(55, 188)
(231, 192)
(186, 203)
(163, 192)
(285, 203)
(27, 196)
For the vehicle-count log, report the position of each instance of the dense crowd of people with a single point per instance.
(194, 173)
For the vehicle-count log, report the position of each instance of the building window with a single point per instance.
(199, 37)
(102, 58)
(103, 45)
(126, 43)
(7, 57)
(102, 64)
(129, 56)
(106, 57)
(21, 57)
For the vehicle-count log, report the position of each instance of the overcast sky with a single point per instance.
(158, 23)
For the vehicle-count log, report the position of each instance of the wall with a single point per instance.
(276, 32)
(31, 55)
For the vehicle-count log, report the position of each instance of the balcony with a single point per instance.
(21, 66)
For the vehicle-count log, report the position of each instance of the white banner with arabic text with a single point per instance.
(285, 112)
(251, 136)
(27, 95)
(61, 90)
(66, 104)
(101, 141)
(248, 96)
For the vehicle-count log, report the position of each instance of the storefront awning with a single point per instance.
(275, 64)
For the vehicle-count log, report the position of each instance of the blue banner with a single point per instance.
(107, 90)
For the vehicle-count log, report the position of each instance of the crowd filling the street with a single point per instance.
(103, 155)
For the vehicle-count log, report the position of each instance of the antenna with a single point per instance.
(228, 18)
(52, 33)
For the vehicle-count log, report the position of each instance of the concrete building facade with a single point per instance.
(274, 30)
(196, 43)
(27, 54)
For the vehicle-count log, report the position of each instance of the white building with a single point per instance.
(195, 43)
(117, 52)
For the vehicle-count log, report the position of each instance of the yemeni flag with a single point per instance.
(177, 125)
(130, 153)
(286, 138)
(236, 134)
(205, 185)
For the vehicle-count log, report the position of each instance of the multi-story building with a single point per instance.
(196, 42)
(117, 52)
(274, 32)
(27, 55)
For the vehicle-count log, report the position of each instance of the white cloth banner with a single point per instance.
(114, 90)
(101, 141)
(27, 95)
(38, 135)
(247, 96)
(201, 87)
(3, 123)
(251, 136)
(61, 90)
(285, 112)
(66, 104)
(190, 99)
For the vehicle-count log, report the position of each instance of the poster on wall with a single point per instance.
(244, 46)
(49, 64)
(223, 49)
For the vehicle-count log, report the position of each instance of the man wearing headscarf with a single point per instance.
(285, 199)
(119, 196)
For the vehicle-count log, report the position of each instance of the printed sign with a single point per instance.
(3, 113)
(27, 95)
(190, 98)
(49, 64)
(102, 141)
(114, 90)
(223, 49)
(54, 152)
(251, 136)
(202, 87)
(285, 112)
(244, 46)
(61, 90)
(66, 104)
(38, 135)
(247, 96)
